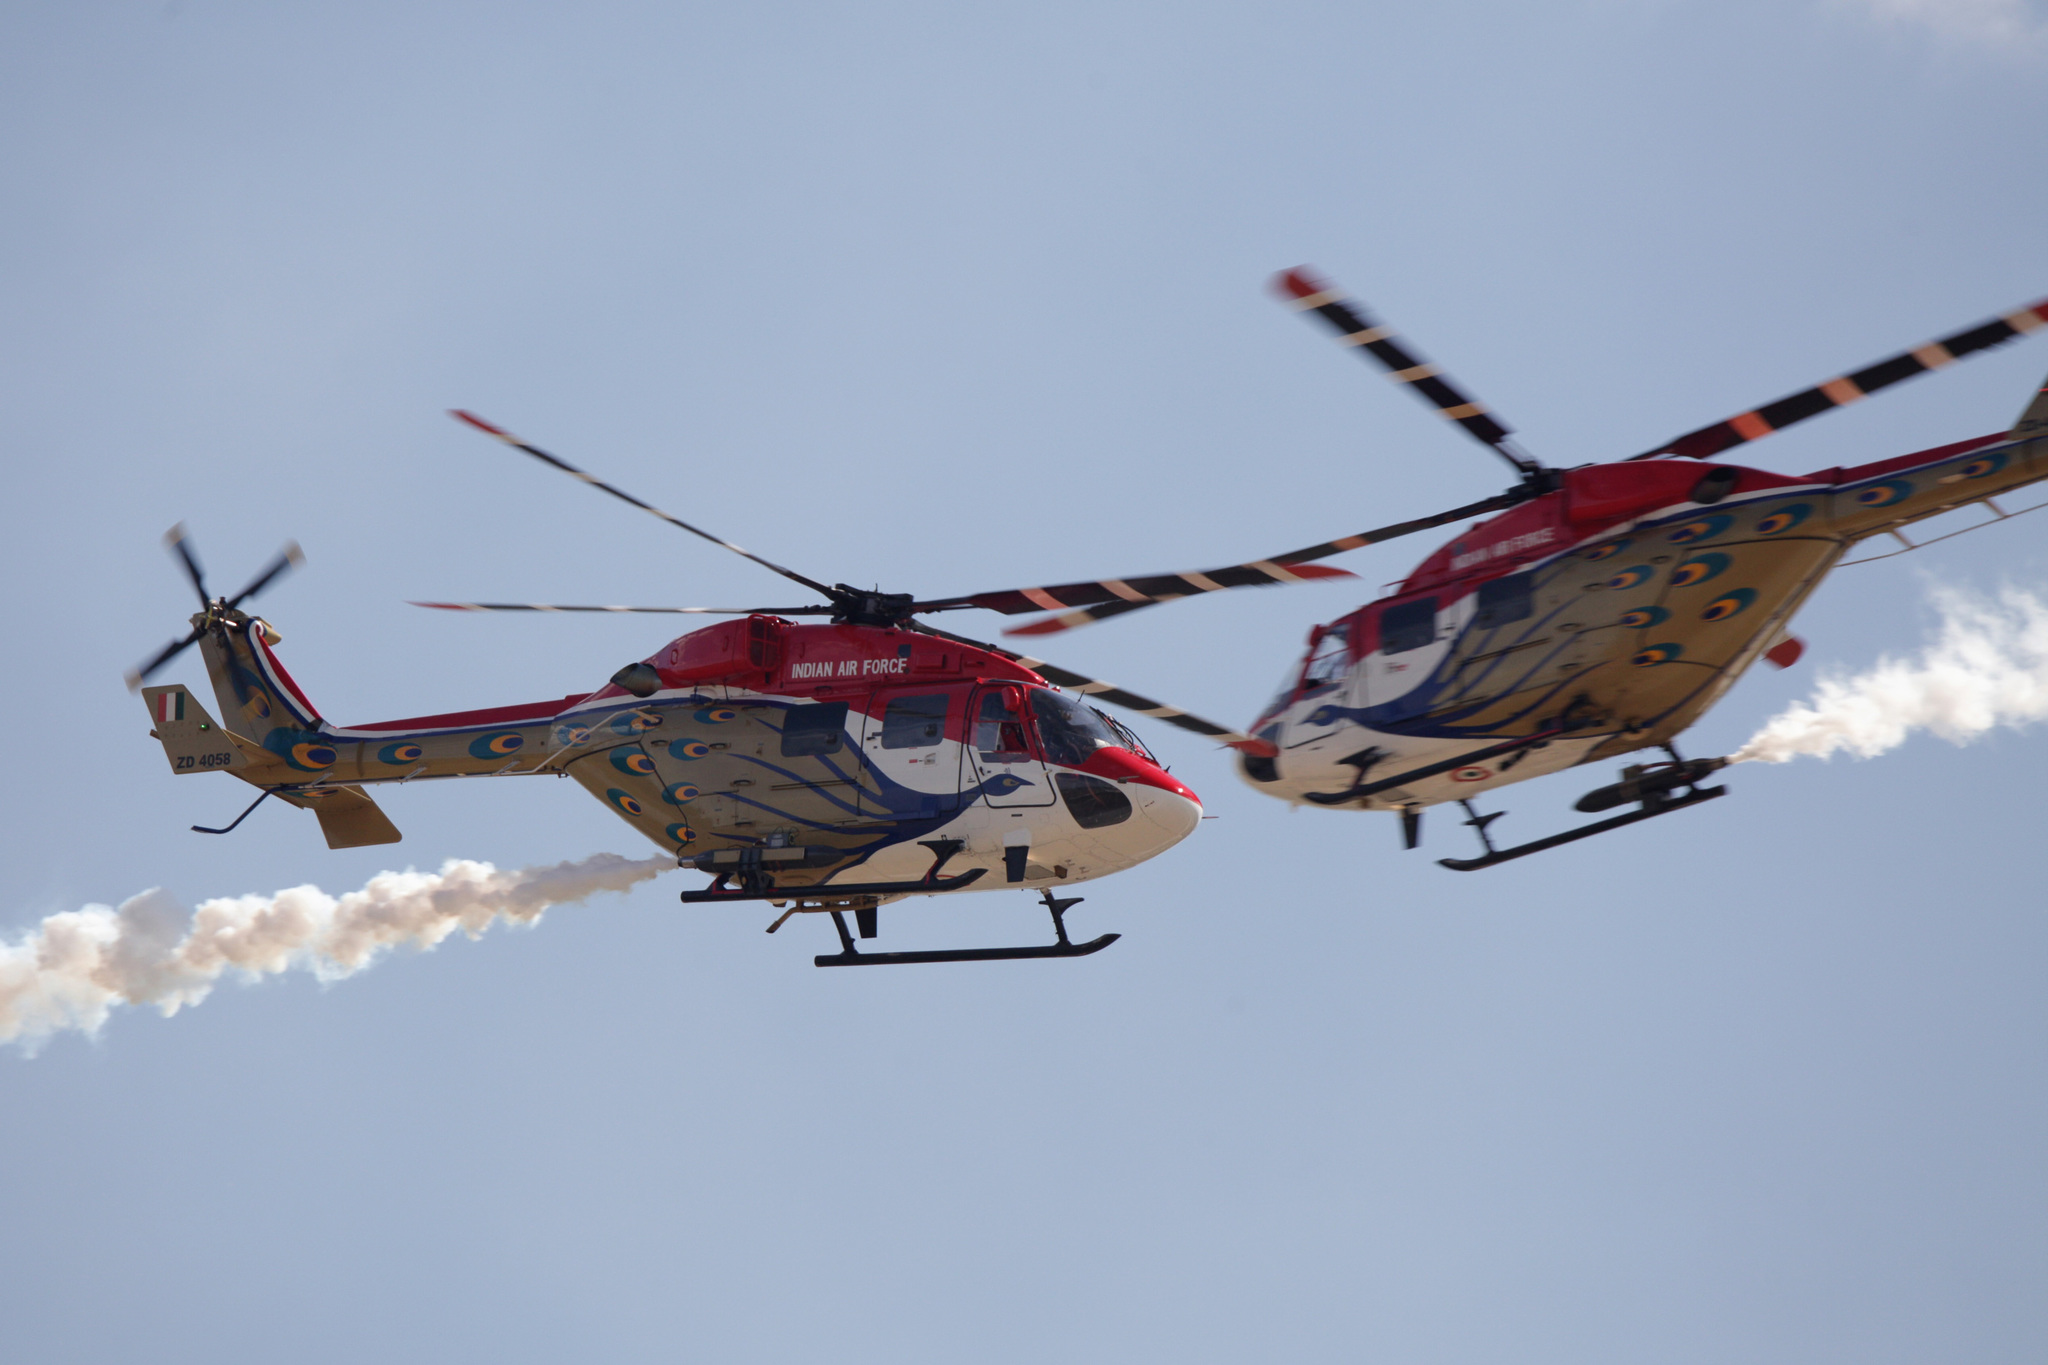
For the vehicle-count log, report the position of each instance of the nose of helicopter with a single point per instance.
(1173, 812)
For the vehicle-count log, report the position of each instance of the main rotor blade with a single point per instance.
(665, 611)
(1097, 690)
(1295, 564)
(509, 439)
(1748, 426)
(290, 557)
(175, 538)
(1135, 591)
(138, 676)
(1356, 328)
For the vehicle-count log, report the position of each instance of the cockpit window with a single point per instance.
(999, 731)
(1408, 625)
(1069, 731)
(1331, 657)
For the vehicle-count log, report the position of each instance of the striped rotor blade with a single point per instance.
(1295, 563)
(662, 611)
(1097, 690)
(1748, 426)
(1356, 328)
(509, 439)
(1137, 591)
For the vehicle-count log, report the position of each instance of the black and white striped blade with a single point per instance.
(1356, 328)
(1097, 690)
(1710, 441)
(1136, 591)
(655, 611)
(1295, 564)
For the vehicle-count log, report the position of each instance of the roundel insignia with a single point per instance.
(632, 759)
(689, 748)
(1473, 774)
(715, 715)
(624, 802)
(676, 793)
(1607, 551)
(569, 736)
(1885, 494)
(1699, 569)
(1656, 654)
(1644, 616)
(400, 753)
(628, 723)
(681, 834)
(1700, 528)
(312, 756)
(501, 745)
(1629, 578)
(1727, 604)
(1784, 519)
(1981, 466)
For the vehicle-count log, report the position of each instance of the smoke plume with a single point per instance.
(75, 966)
(1987, 667)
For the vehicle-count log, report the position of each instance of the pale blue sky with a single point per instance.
(949, 299)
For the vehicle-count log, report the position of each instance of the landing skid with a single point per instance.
(1651, 789)
(1065, 947)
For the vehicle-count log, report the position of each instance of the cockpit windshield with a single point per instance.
(1069, 732)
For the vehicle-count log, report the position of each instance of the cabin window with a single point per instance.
(1092, 802)
(1328, 660)
(819, 729)
(914, 722)
(1408, 625)
(1503, 600)
(1069, 732)
(999, 731)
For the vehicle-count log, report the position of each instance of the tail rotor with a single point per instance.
(213, 612)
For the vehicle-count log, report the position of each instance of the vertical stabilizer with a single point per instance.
(2033, 423)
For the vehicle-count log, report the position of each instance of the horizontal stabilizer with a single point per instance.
(192, 741)
(348, 817)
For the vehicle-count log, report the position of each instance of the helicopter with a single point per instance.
(831, 766)
(1602, 609)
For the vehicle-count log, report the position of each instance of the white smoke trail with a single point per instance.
(75, 966)
(1988, 667)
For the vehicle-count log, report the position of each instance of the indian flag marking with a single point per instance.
(171, 705)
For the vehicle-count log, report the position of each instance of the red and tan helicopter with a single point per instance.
(1601, 612)
(820, 767)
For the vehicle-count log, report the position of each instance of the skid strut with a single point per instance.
(1650, 786)
(851, 956)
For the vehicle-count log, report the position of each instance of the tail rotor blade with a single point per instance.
(288, 558)
(1710, 441)
(1097, 690)
(138, 676)
(175, 539)
(509, 439)
(1356, 328)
